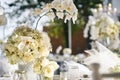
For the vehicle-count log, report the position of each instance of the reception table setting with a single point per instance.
(26, 53)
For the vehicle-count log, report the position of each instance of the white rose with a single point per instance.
(44, 52)
(50, 68)
(54, 64)
(27, 43)
(48, 71)
(44, 62)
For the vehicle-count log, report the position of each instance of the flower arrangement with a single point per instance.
(45, 67)
(61, 6)
(62, 9)
(27, 45)
(101, 26)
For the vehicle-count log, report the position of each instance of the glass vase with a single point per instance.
(40, 77)
(20, 75)
(25, 72)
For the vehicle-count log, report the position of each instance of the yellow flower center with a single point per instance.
(59, 6)
(69, 8)
(49, 5)
(27, 42)
(48, 70)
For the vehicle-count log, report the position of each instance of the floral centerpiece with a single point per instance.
(45, 67)
(62, 9)
(26, 46)
(103, 28)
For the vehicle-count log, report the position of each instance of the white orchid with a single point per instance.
(65, 9)
(58, 5)
(47, 8)
(51, 16)
(71, 10)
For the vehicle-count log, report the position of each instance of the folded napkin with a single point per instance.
(103, 56)
(76, 70)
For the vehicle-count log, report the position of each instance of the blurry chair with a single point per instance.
(97, 76)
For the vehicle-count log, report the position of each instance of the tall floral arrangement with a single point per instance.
(27, 45)
(61, 9)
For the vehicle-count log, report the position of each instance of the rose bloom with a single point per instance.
(48, 71)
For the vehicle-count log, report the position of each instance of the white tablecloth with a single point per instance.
(5, 78)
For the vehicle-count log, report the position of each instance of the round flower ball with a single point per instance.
(26, 44)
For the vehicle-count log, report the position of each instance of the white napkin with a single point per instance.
(76, 70)
(104, 57)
